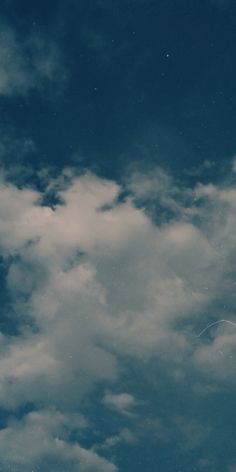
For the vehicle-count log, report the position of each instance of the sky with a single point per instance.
(117, 236)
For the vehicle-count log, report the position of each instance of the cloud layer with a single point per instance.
(96, 278)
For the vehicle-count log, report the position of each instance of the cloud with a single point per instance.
(46, 435)
(95, 279)
(190, 432)
(121, 401)
(27, 63)
(125, 436)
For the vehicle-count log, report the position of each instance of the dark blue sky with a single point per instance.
(153, 77)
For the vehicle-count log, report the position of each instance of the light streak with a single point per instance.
(213, 324)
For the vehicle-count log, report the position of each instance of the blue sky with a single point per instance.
(117, 236)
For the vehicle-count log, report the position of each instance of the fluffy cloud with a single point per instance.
(41, 439)
(93, 279)
(121, 401)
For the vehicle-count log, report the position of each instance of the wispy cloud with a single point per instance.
(27, 63)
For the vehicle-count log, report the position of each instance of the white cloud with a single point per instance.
(217, 359)
(41, 437)
(99, 280)
(121, 401)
